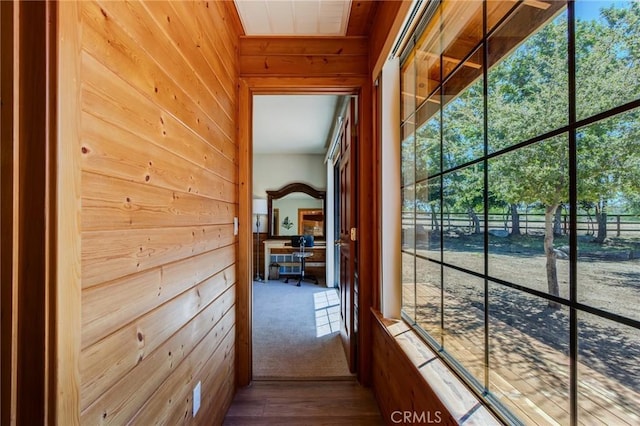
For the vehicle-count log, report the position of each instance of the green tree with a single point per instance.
(545, 165)
(607, 75)
(608, 155)
(528, 96)
(463, 141)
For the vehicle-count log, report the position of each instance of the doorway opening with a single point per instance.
(296, 322)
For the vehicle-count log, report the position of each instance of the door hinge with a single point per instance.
(354, 234)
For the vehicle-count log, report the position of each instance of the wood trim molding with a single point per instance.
(303, 56)
(244, 283)
(67, 291)
(7, 297)
(387, 23)
(367, 225)
(297, 187)
(250, 86)
(293, 46)
(28, 209)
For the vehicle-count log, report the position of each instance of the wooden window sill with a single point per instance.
(454, 395)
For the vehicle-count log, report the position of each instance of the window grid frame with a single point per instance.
(570, 129)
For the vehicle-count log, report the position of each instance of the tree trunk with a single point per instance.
(552, 272)
(434, 218)
(601, 218)
(515, 220)
(557, 222)
(475, 220)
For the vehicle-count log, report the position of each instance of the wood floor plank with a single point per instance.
(304, 402)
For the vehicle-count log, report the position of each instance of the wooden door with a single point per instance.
(347, 244)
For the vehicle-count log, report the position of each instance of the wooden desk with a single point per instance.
(315, 265)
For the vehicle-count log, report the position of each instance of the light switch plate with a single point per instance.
(235, 226)
(196, 398)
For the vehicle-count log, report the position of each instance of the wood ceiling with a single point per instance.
(307, 17)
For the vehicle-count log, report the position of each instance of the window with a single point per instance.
(521, 203)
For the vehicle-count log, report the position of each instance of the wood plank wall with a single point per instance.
(159, 190)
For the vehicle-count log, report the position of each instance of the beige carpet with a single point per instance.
(296, 332)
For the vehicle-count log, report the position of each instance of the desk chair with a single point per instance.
(300, 242)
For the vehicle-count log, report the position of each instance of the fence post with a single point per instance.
(617, 225)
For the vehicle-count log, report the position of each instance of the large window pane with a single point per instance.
(464, 320)
(461, 32)
(607, 55)
(463, 115)
(408, 84)
(428, 138)
(428, 297)
(463, 222)
(528, 356)
(528, 89)
(608, 372)
(407, 154)
(428, 52)
(409, 285)
(496, 10)
(520, 173)
(428, 218)
(609, 222)
(409, 218)
(536, 176)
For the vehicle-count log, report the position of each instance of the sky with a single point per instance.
(590, 9)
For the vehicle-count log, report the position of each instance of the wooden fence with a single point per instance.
(618, 225)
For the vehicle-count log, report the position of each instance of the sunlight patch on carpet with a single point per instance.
(327, 307)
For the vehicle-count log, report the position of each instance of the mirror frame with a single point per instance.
(289, 189)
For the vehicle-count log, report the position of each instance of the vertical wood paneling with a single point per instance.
(158, 156)
(69, 182)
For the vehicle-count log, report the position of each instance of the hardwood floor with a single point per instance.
(304, 403)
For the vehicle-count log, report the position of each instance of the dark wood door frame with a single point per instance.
(346, 221)
(29, 141)
(367, 234)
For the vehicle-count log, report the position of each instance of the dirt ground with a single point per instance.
(611, 285)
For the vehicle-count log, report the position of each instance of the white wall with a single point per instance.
(273, 171)
(392, 260)
(330, 220)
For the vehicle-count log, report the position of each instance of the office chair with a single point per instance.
(301, 242)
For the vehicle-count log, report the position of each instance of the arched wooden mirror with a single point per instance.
(296, 209)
